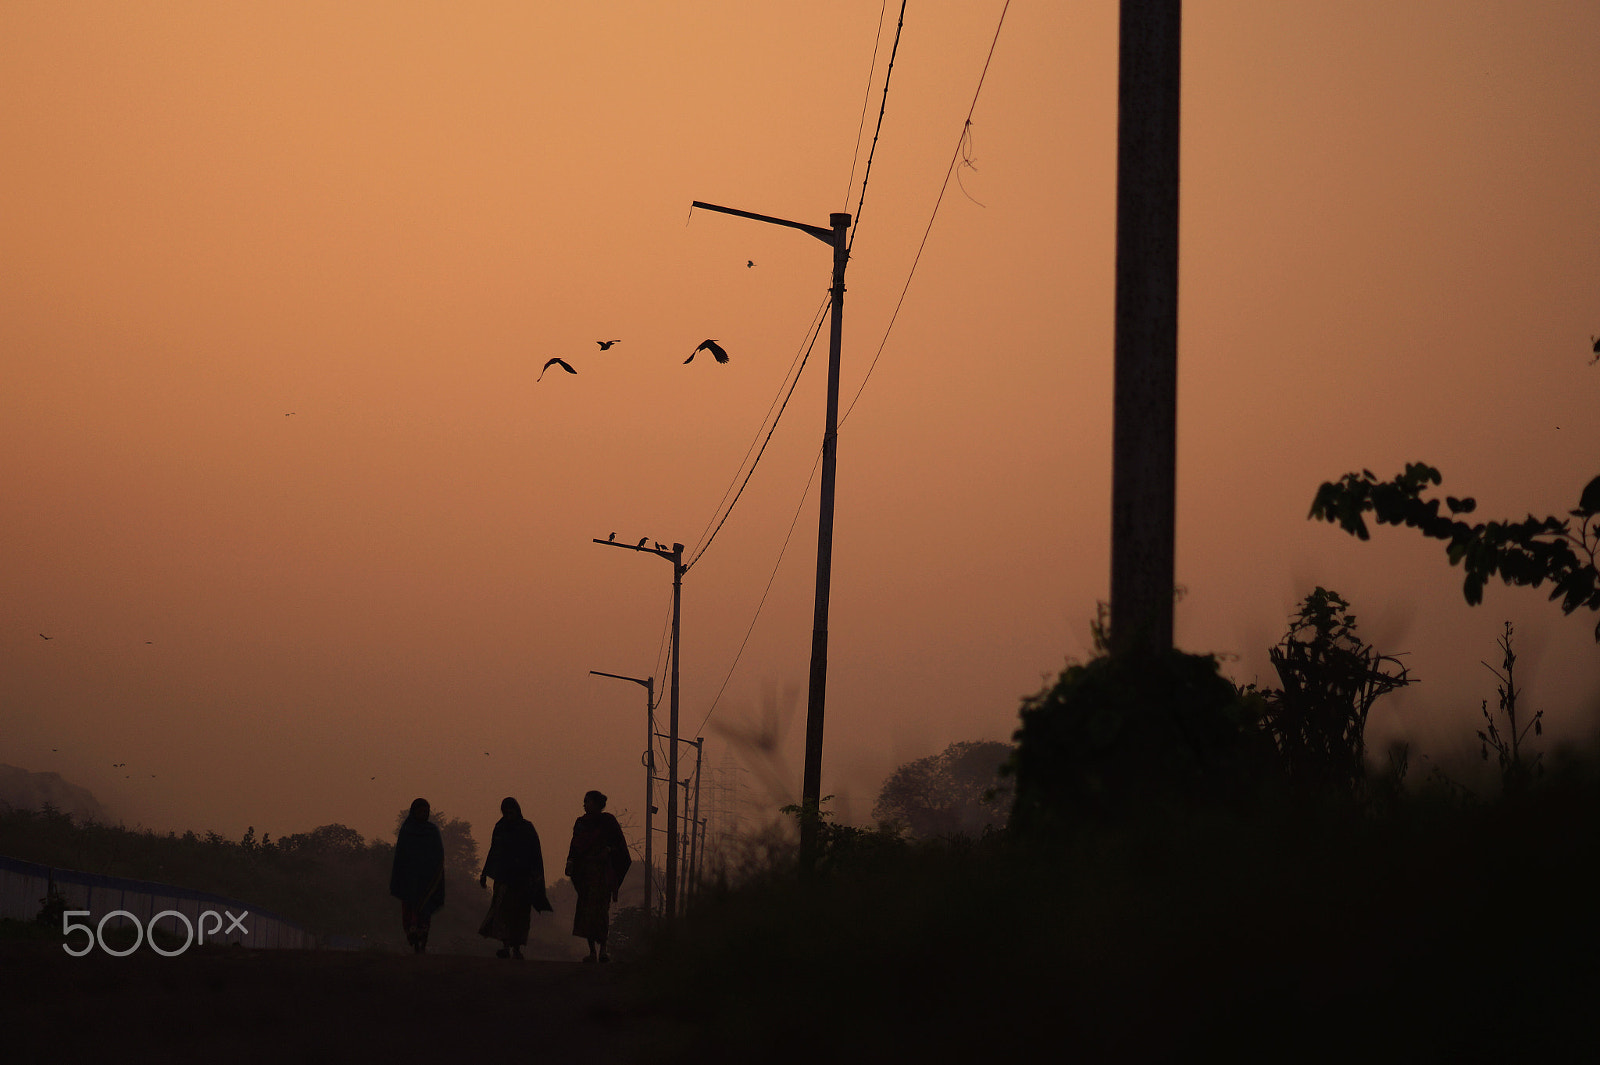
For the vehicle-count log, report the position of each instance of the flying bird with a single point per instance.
(711, 346)
(749, 264)
(553, 362)
(605, 345)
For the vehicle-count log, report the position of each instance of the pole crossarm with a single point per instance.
(824, 235)
(657, 550)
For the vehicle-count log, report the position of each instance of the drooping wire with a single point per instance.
(787, 537)
(866, 97)
(754, 462)
(797, 360)
(949, 170)
(867, 174)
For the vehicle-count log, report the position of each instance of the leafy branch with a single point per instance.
(1528, 552)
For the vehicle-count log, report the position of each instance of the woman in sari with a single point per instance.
(596, 863)
(417, 876)
(516, 865)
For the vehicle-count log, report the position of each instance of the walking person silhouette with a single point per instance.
(596, 863)
(516, 865)
(417, 876)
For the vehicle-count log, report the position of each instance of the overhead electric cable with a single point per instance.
(787, 537)
(699, 554)
(796, 361)
(887, 74)
(866, 97)
(956, 155)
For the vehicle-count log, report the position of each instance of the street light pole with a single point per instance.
(649, 760)
(669, 906)
(816, 699)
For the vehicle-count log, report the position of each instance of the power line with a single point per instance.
(803, 350)
(814, 334)
(866, 97)
(887, 74)
(787, 537)
(954, 157)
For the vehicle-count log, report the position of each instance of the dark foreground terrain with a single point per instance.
(1428, 933)
(288, 1006)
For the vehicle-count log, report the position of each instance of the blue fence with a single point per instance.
(25, 885)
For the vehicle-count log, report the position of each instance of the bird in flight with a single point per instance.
(749, 264)
(605, 345)
(711, 346)
(554, 362)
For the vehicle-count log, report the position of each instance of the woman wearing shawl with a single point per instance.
(596, 864)
(417, 878)
(516, 865)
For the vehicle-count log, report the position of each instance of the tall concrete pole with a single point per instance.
(1144, 419)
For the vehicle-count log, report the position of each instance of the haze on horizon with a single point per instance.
(309, 540)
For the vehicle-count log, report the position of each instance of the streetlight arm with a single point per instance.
(619, 676)
(824, 235)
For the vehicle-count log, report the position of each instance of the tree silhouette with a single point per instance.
(460, 849)
(1330, 679)
(1528, 552)
(957, 791)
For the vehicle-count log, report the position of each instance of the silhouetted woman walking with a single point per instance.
(417, 876)
(517, 867)
(596, 863)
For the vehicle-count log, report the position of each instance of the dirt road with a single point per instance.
(288, 1006)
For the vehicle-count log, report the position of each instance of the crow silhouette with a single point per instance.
(553, 362)
(711, 346)
(612, 538)
(749, 264)
(605, 345)
(643, 540)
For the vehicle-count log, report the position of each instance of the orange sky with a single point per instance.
(384, 217)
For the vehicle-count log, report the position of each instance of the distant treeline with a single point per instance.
(331, 881)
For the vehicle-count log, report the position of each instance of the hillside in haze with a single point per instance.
(24, 790)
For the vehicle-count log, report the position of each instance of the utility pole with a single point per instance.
(816, 700)
(675, 556)
(649, 760)
(694, 851)
(1144, 417)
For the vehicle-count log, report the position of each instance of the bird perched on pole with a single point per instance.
(643, 540)
(605, 345)
(711, 346)
(554, 362)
